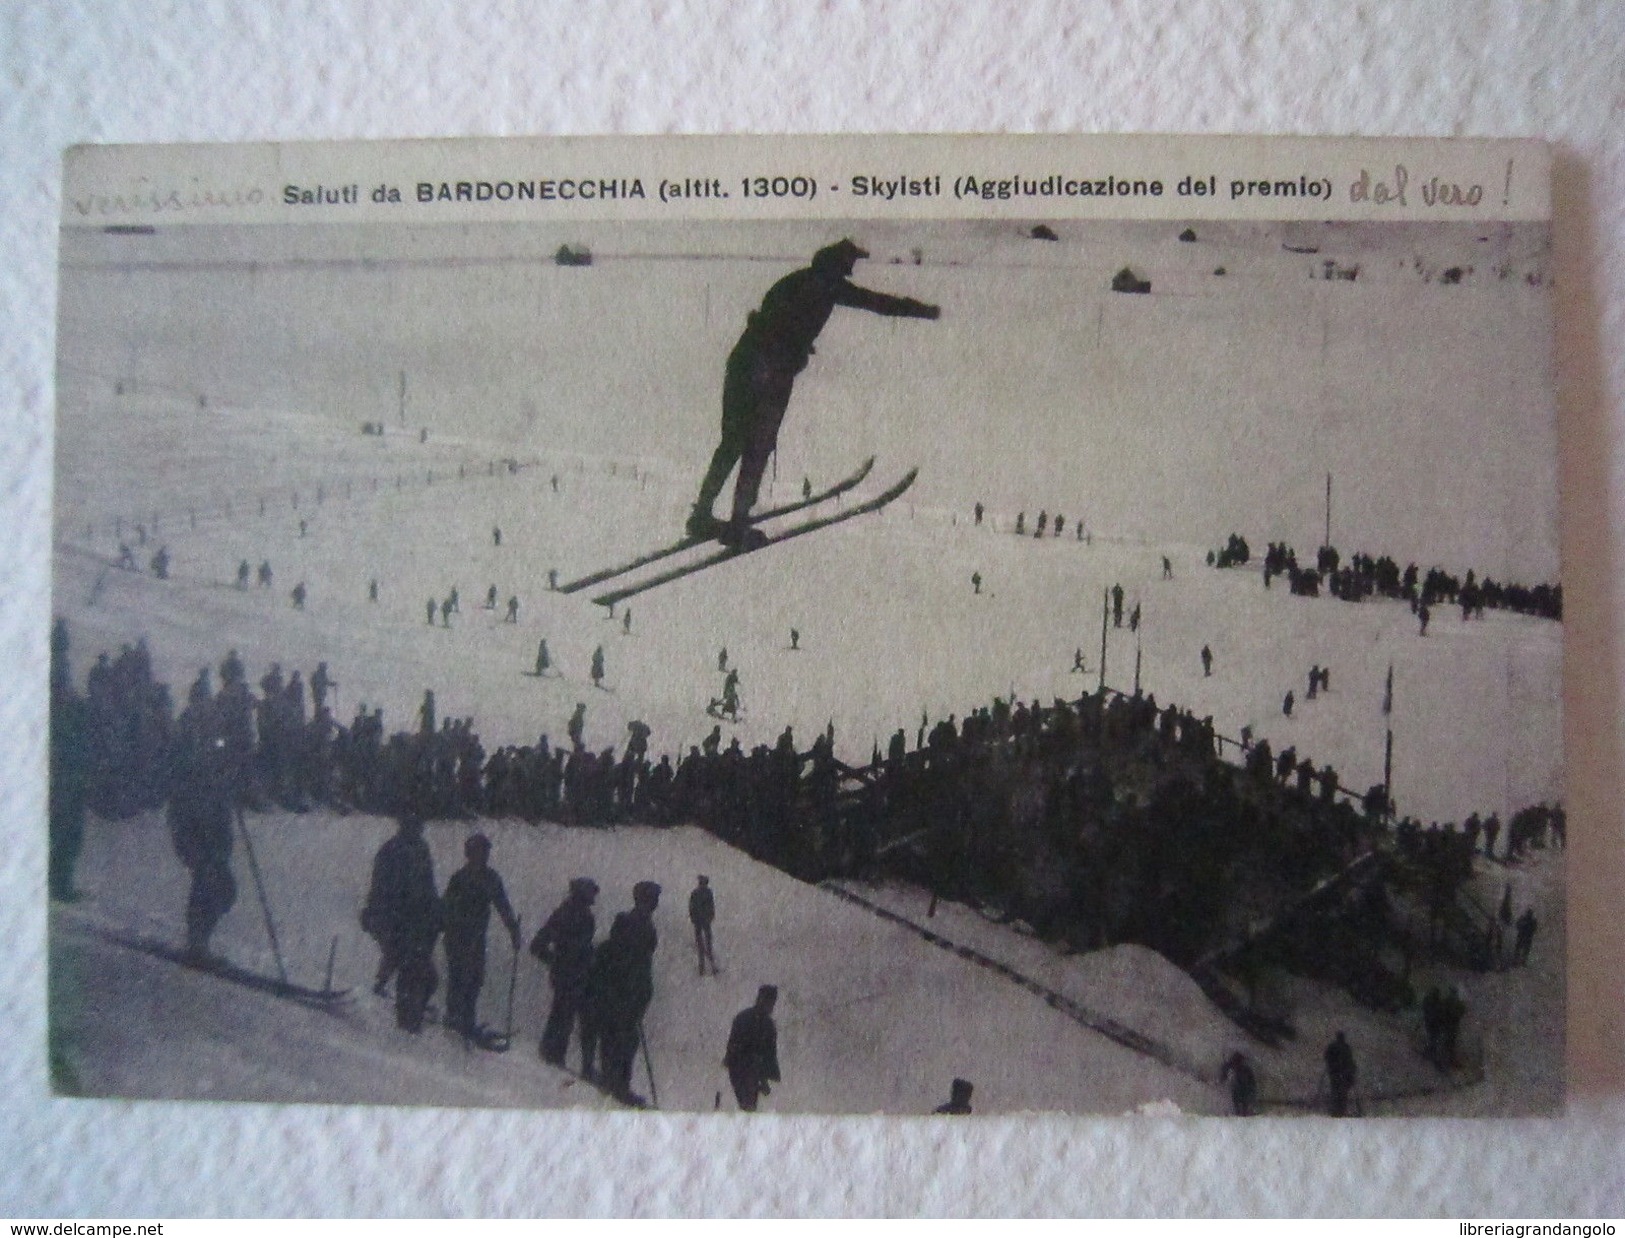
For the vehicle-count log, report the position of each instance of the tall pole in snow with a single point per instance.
(1105, 613)
(1136, 665)
(1388, 744)
(1328, 540)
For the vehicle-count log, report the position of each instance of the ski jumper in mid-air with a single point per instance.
(774, 348)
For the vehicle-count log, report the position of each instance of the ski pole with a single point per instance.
(643, 1043)
(259, 886)
(513, 975)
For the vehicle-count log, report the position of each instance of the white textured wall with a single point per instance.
(128, 71)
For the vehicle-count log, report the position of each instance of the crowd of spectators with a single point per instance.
(1363, 576)
(1103, 819)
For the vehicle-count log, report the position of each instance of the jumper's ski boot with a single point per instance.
(740, 534)
(702, 524)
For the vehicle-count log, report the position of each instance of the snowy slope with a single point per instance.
(871, 1019)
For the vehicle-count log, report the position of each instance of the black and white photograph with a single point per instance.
(879, 661)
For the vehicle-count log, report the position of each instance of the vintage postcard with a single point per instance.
(951, 625)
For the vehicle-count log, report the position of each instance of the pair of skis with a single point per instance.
(721, 554)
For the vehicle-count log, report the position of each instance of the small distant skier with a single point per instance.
(429, 610)
(303, 528)
(1340, 1074)
(775, 347)
(321, 683)
(577, 727)
(491, 598)
(795, 639)
(1314, 681)
(598, 667)
(722, 659)
(243, 571)
(446, 608)
(1526, 936)
(126, 557)
(958, 1102)
(456, 605)
(976, 582)
(543, 661)
(1077, 663)
(1134, 618)
(372, 590)
(298, 596)
(728, 704)
(553, 579)
(472, 892)
(626, 622)
(496, 535)
(1243, 1085)
(513, 611)
(806, 488)
(1117, 606)
(1286, 704)
(752, 1056)
(702, 911)
(160, 563)
(980, 512)
(1207, 662)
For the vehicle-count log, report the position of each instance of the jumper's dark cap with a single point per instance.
(841, 254)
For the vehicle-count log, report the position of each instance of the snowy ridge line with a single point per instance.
(1078, 1013)
(226, 509)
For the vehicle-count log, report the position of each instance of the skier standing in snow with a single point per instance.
(201, 801)
(1340, 1074)
(402, 915)
(598, 667)
(620, 987)
(761, 372)
(1243, 1084)
(470, 894)
(702, 911)
(752, 1056)
(564, 943)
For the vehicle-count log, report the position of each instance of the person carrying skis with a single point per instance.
(761, 371)
(470, 894)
